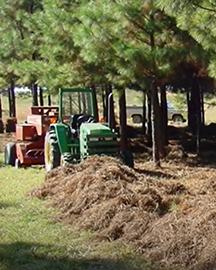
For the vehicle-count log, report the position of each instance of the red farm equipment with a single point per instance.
(29, 146)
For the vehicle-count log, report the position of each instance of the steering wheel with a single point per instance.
(85, 118)
(78, 119)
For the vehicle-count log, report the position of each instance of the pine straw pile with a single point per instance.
(169, 215)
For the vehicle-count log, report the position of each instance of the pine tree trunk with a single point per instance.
(149, 121)
(103, 97)
(144, 113)
(155, 112)
(164, 115)
(41, 96)
(9, 101)
(202, 107)
(12, 100)
(34, 94)
(112, 113)
(49, 100)
(194, 98)
(94, 94)
(188, 106)
(123, 120)
(0, 106)
(198, 114)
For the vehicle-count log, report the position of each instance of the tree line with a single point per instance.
(144, 45)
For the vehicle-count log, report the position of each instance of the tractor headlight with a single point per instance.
(100, 139)
(93, 139)
(108, 138)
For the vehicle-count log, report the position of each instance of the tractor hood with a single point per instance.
(96, 130)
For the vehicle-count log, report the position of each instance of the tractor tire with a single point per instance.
(17, 163)
(178, 118)
(137, 118)
(10, 154)
(127, 158)
(52, 154)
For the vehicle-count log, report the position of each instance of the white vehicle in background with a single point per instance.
(135, 113)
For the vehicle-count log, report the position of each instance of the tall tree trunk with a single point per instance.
(155, 112)
(149, 122)
(49, 100)
(12, 100)
(123, 120)
(110, 106)
(103, 97)
(188, 105)
(198, 114)
(0, 106)
(1, 121)
(195, 114)
(34, 94)
(202, 107)
(41, 96)
(164, 115)
(94, 94)
(144, 113)
(9, 101)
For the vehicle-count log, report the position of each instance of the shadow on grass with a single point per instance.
(2, 163)
(33, 256)
(4, 205)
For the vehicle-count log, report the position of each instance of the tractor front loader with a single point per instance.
(78, 134)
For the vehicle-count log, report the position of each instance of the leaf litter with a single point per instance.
(167, 214)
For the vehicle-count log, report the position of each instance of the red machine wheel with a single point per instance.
(52, 154)
(10, 154)
(17, 163)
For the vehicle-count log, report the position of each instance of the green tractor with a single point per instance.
(78, 134)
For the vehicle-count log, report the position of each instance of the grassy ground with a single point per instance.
(30, 239)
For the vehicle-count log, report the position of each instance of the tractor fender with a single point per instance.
(62, 134)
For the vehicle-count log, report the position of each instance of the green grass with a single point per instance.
(31, 239)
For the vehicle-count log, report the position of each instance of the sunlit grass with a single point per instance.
(30, 238)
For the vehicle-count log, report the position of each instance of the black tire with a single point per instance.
(178, 118)
(52, 156)
(10, 154)
(127, 158)
(137, 118)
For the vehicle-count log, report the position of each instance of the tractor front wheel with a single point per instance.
(52, 154)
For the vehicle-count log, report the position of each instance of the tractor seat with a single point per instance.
(78, 119)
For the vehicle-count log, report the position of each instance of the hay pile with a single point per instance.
(171, 221)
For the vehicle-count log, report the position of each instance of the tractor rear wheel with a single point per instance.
(10, 154)
(52, 154)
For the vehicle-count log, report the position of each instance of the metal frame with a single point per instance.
(75, 90)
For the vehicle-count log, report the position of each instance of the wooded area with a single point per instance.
(143, 45)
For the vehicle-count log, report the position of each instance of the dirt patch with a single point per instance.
(169, 215)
